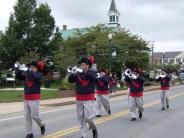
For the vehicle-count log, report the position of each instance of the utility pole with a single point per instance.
(152, 51)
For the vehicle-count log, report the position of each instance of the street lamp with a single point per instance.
(152, 48)
(110, 51)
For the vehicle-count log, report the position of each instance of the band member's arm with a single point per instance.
(104, 79)
(72, 78)
(168, 78)
(158, 79)
(127, 79)
(91, 75)
(20, 74)
(141, 79)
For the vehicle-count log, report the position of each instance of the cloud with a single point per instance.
(156, 20)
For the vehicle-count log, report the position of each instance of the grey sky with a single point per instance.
(155, 20)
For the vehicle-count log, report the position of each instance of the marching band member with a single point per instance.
(102, 92)
(136, 83)
(32, 84)
(164, 80)
(85, 79)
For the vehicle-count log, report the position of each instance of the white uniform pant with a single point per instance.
(164, 97)
(31, 111)
(135, 103)
(128, 94)
(102, 99)
(86, 112)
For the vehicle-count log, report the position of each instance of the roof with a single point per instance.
(73, 32)
(113, 7)
(69, 33)
(166, 54)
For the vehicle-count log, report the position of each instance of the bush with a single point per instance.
(65, 85)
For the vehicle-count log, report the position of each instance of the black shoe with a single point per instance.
(109, 113)
(95, 133)
(167, 106)
(42, 128)
(140, 114)
(163, 108)
(98, 115)
(29, 136)
(133, 119)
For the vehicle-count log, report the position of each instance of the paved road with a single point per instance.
(61, 121)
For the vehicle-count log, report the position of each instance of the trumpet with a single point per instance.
(21, 67)
(130, 74)
(163, 74)
(73, 69)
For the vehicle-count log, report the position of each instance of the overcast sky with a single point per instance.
(161, 21)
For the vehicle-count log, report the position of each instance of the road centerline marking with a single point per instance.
(105, 119)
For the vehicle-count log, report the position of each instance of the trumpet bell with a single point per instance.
(163, 74)
(69, 69)
(127, 72)
(73, 69)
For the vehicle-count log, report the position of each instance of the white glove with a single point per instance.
(17, 64)
(98, 75)
(79, 70)
(23, 67)
(75, 69)
(157, 76)
(133, 76)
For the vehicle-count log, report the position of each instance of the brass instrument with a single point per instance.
(73, 69)
(130, 74)
(21, 67)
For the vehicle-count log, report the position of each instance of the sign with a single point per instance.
(152, 74)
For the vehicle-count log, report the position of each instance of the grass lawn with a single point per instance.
(16, 96)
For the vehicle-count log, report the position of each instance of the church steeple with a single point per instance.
(113, 14)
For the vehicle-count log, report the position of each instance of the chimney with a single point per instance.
(64, 27)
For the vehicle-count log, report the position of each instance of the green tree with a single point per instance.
(171, 68)
(42, 30)
(132, 51)
(31, 31)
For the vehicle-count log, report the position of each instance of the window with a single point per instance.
(117, 18)
(113, 18)
(177, 60)
(156, 61)
(171, 61)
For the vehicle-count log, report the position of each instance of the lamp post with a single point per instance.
(152, 48)
(110, 51)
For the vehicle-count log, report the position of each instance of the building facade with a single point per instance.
(165, 58)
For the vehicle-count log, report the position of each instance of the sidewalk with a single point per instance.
(6, 108)
(21, 89)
